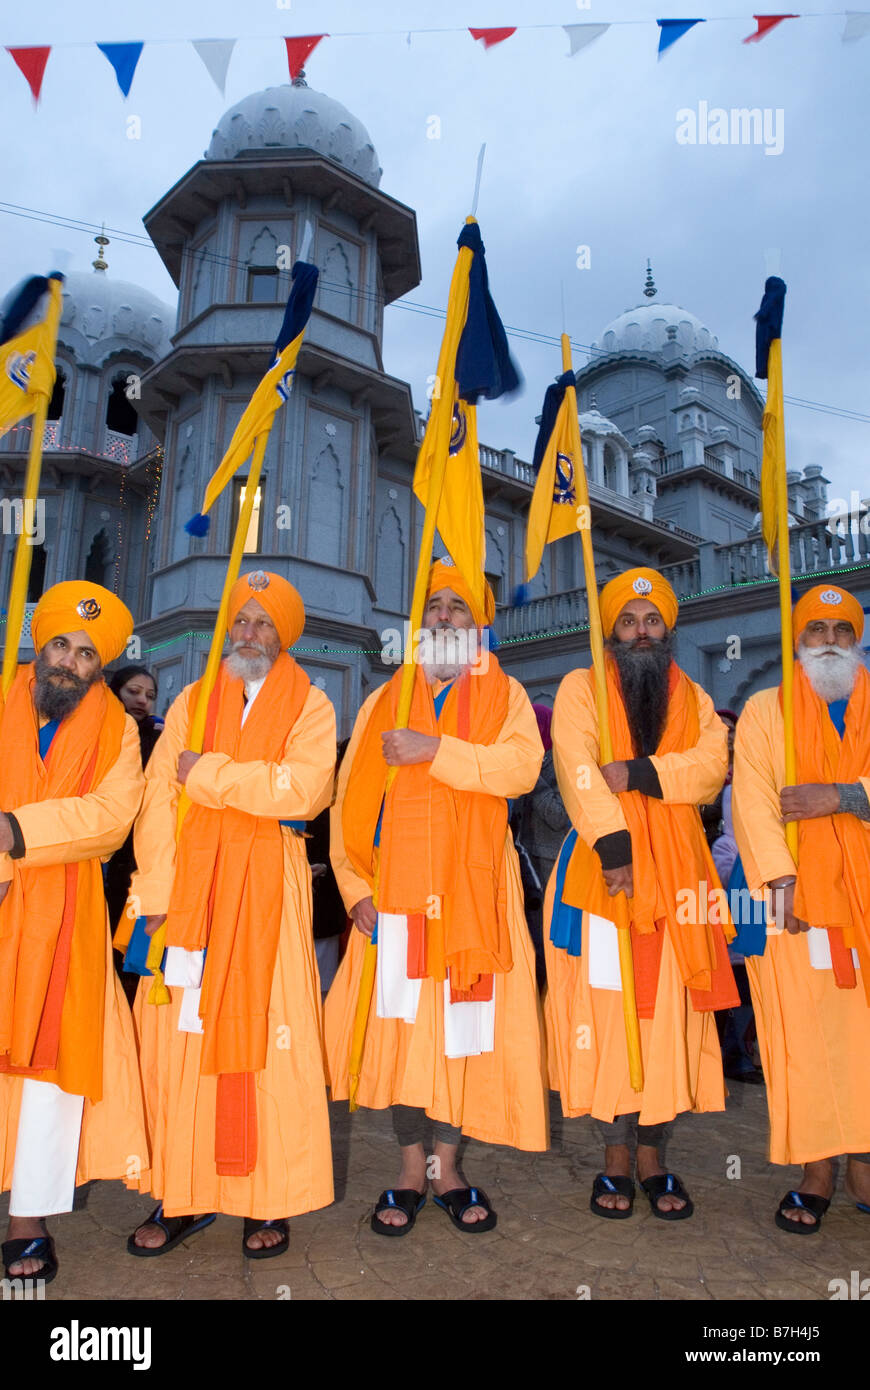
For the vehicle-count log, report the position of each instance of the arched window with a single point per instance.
(97, 560)
(121, 417)
(611, 468)
(58, 395)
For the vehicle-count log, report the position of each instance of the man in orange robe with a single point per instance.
(453, 1028)
(638, 855)
(71, 783)
(232, 1065)
(811, 982)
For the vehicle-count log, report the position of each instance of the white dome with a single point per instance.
(593, 422)
(102, 315)
(646, 329)
(297, 118)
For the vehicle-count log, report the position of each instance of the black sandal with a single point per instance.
(177, 1229)
(252, 1225)
(622, 1187)
(459, 1201)
(801, 1201)
(405, 1199)
(667, 1185)
(31, 1248)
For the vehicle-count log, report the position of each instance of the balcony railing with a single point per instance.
(566, 612)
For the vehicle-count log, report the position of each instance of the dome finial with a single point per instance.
(649, 288)
(299, 79)
(102, 240)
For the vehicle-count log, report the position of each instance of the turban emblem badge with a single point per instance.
(641, 585)
(258, 581)
(88, 609)
(831, 596)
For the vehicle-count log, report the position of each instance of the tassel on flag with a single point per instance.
(581, 35)
(491, 37)
(673, 29)
(857, 25)
(31, 61)
(765, 23)
(298, 49)
(216, 54)
(123, 57)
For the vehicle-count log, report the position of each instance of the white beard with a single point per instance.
(248, 668)
(831, 670)
(452, 651)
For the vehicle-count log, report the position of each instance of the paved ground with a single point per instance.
(547, 1244)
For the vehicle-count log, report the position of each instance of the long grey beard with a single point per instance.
(643, 677)
(452, 651)
(56, 697)
(831, 670)
(248, 668)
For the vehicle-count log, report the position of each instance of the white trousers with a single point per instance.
(46, 1150)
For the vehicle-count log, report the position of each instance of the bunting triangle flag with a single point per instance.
(857, 25)
(31, 62)
(216, 54)
(491, 37)
(581, 35)
(298, 49)
(765, 23)
(123, 57)
(673, 29)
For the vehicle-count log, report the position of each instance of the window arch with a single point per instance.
(58, 396)
(121, 417)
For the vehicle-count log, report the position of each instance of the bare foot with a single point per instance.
(413, 1175)
(648, 1166)
(857, 1181)
(152, 1236)
(447, 1178)
(818, 1179)
(26, 1228)
(264, 1238)
(617, 1164)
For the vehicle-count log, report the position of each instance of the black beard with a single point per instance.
(56, 698)
(643, 678)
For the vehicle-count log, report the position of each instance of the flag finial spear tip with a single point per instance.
(649, 288)
(299, 79)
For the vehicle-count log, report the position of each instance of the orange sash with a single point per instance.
(439, 848)
(839, 897)
(670, 856)
(53, 919)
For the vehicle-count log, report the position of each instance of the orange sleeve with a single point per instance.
(594, 809)
(759, 773)
(154, 832)
(351, 887)
(298, 787)
(697, 776)
(508, 767)
(74, 828)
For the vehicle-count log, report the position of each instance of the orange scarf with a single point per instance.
(53, 919)
(440, 850)
(838, 898)
(669, 853)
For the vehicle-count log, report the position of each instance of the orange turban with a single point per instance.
(827, 601)
(639, 583)
(79, 606)
(445, 575)
(278, 597)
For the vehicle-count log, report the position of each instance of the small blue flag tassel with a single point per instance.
(198, 525)
(520, 596)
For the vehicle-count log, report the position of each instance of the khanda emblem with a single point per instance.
(285, 384)
(459, 429)
(88, 609)
(18, 367)
(563, 482)
(258, 580)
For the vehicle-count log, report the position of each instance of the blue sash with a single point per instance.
(566, 923)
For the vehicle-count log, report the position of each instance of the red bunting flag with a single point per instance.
(298, 50)
(32, 63)
(492, 36)
(765, 23)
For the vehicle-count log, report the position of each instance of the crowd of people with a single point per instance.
(494, 865)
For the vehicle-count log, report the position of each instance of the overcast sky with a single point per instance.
(580, 151)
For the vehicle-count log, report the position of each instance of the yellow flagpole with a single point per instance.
(443, 423)
(158, 993)
(783, 551)
(596, 645)
(23, 550)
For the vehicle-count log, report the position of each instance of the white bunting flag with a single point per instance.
(857, 25)
(581, 35)
(216, 54)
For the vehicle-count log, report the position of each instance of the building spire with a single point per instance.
(102, 240)
(649, 288)
(299, 79)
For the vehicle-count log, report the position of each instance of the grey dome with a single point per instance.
(645, 328)
(102, 315)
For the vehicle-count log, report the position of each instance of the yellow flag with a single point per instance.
(460, 519)
(27, 369)
(553, 508)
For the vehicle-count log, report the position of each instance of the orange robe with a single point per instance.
(69, 830)
(498, 1097)
(293, 1171)
(585, 1028)
(814, 1038)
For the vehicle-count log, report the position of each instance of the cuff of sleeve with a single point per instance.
(19, 849)
(614, 850)
(642, 777)
(205, 768)
(853, 800)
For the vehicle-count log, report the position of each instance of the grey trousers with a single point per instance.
(410, 1124)
(626, 1130)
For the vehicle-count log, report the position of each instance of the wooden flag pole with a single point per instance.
(596, 645)
(783, 566)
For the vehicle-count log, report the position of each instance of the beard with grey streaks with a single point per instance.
(831, 670)
(449, 651)
(249, 668)
(58, 692)
(643, 679)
